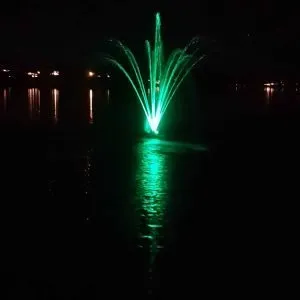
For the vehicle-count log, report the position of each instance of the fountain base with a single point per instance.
(151, 134)
(149, 130)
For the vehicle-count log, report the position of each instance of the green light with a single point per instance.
(152, 184)
(165, 76)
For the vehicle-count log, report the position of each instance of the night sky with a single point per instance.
(53, 31)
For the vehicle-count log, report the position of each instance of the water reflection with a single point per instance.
(108, 96)
(87, 186)
(55, 100)
(91, 114)
(87, 170)
(5, 98)
(34, 103)
(269, 93)
(152, 193)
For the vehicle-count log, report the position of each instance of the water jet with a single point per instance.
(164, 78)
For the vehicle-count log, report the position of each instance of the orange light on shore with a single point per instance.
(270, 84)
(91, 74)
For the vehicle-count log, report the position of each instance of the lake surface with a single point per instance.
(90, 208)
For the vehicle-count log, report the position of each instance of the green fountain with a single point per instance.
(165, 75)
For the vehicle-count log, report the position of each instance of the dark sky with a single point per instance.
(56, 30)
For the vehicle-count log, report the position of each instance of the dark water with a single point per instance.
(90, 208)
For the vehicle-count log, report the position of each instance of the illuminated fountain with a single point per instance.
(165, 76)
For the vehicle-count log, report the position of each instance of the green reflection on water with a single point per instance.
(151, 191)
(153, 183)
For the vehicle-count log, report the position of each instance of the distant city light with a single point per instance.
(33, 75)
(270, 84)
(36, 74)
